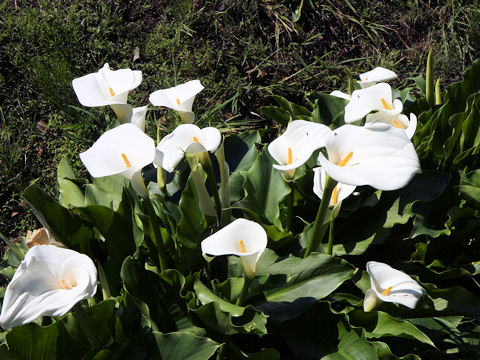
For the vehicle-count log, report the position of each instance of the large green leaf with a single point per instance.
(470, 185)
(285, 112)
(240, 154)
(106, 191)
(379, 324)
(315, 276)
(265, 189)
(192, 223)
(69, 186)
(98, 320)
(31, 342)
(185, 346)
(65, 226)
(227, 318)
(117, 227)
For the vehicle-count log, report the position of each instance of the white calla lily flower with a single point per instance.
(106, 87)
(379, 74)
(399, 121)
(340, 94)
(374, 98)
(380, 156)
(49, 281)
(295, 146)
(340, 192)
(128, 114)
(243, 238)
(123, 150)
(179, 98)
(171, 149)
(390, 285)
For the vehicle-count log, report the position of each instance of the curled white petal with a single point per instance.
(106, 87)
(340, 94)
(138, 117)
(377, 97)
(380, 156)
(49, 281)
(295, 146)
(342, 190)
(391, 285)
(121, 150)
(243, 238)
(179, 98)
(400, 121)
(171, 149)
(376, 75)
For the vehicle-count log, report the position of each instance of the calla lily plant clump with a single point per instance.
(205, 243)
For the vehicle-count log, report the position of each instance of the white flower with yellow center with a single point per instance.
(376, 75)
(171, 149)
(106, 87)
(295, 146)
(399, 121)
(340, 191)
(48, 282)
(123, 150)
(374, 98)
(390, 285)
(179, 98)
(380, 156)
(243, 238)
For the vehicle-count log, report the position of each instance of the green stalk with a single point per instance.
(429, 82)
(438, 94)
(243, 293)
(291, 201)
(318, 227)
(330, 237)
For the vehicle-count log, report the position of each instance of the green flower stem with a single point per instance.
(318, 227)
(330, 237)
(160, 246)
(243, 293)
(429, 82)
(88, 330)
(291, 201)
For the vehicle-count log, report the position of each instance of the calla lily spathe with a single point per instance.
(49, 281)
(380, 156)
(171, 149)
(106, 87)
(128, 114)
(399, 121)
(368, 79)
(340, 192)
(390, 285)
(123, 150)
(179, 98)
(379, 74)
(295, 146)
(374, 98)
(243, 238)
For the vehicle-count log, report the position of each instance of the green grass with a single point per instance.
(241, 51)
